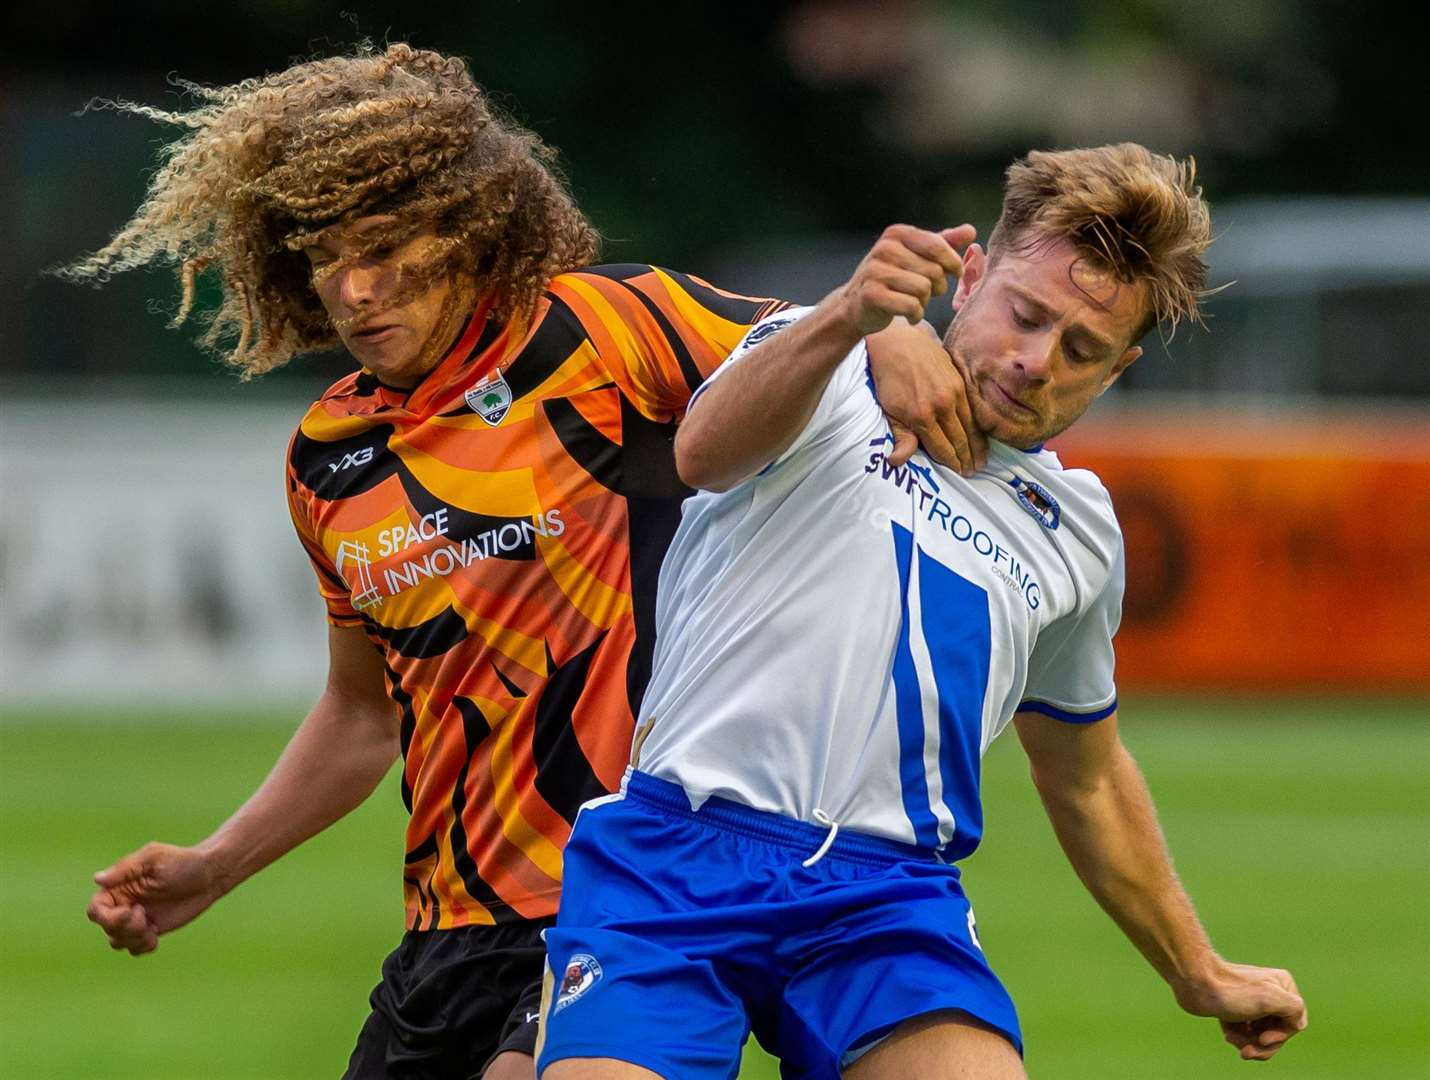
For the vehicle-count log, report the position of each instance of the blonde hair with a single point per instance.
(1136, 214)
(268, 163)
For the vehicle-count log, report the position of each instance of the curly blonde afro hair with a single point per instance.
(267, 164)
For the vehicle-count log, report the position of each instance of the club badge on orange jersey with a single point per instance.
(490, 399)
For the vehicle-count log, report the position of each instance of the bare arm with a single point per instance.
(335, 759)
(1102, 813)
(753, 412)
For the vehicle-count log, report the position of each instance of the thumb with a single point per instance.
(1279, 995)
(905, 443)
(1267, 1001)
(960, 236)
(127, 868)
(1286, 1003)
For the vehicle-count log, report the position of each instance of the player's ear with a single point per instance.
(1122, 363)
(975, 265)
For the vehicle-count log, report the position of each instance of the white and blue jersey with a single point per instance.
(842, 635)
(838, 641)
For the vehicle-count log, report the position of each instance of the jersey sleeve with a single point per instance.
(337, 597)
(659, 333)
(846, 397)
(1070, 672)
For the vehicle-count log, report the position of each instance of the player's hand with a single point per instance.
(904, 269)
(925, 398)
(154, 890)
(1259, 1008)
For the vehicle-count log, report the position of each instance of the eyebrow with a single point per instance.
(322, 240)
(1076, 330)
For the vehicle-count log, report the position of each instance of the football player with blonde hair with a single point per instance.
(840, 638)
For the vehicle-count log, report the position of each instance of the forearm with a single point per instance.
(1108, 828)
(753, 412)
(335, 759)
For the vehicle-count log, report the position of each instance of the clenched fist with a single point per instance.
(151, 891)
(903, 271)
(1259, 1008)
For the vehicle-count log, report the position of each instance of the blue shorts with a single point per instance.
(682, 931)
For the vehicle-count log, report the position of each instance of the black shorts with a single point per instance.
(450, 1001)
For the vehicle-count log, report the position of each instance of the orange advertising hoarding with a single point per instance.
(1268, 551)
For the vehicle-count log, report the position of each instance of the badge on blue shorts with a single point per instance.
(582, 972)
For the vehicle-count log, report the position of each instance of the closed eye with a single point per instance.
(1083, 350)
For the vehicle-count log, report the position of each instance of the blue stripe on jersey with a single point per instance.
(909, 710)
(959, 635)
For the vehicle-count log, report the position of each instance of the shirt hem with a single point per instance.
(1069, 716)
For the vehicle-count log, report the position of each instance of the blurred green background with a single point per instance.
(762, 144)
(1297, 826)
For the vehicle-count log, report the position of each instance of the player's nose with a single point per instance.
(1035, 359)
(357, 284)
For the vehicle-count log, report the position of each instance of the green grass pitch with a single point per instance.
(1299, 828)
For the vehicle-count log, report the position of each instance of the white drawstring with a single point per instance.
(824, 819)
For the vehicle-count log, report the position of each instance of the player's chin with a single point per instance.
(1019, 428)
(1018, 436)
(389, 366)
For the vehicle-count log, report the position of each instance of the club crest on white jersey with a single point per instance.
(1038, 501)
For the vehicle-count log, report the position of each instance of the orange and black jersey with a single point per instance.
(497, 531)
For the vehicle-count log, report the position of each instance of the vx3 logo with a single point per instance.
(357, 457)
